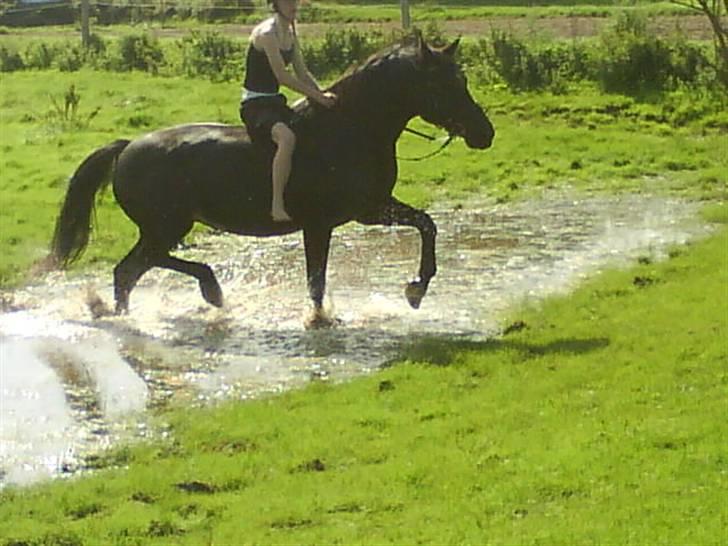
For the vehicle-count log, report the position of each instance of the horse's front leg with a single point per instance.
(395, 212)
(316, 241)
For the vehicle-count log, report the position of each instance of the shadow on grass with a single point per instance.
(443, 350)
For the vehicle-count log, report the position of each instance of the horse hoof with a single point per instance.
(414, 293)
(212, 295)
(319, 320)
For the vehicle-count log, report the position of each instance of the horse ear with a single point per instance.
(452, 48)
(424, 52)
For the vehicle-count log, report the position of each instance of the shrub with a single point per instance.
(40, 55)
(514, 63)
(212, 55)
(339, 49)
(689, 62)
(635, 62)
(528, 67)
(10, 60)
(140, 52)
(71, 58)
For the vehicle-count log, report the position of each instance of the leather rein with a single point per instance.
(431, 138)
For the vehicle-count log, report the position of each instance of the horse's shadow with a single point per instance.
(443, 350)
(375, 345)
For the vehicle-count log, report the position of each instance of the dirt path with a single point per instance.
(692, 26)
(695, 27)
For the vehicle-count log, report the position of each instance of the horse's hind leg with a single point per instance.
(209, 286)
(154, 252)
(127, 273)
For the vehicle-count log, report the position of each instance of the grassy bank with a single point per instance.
(600, 419)
(580, 139)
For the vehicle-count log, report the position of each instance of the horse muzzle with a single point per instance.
(479, 133)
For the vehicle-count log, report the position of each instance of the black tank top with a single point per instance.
(259, 75)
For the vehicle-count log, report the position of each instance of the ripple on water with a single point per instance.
(72, 384)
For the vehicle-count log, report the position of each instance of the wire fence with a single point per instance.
(243, 6)
(56, 4)
(59, 12)
(107, 12)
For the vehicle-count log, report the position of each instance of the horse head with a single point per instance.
(442, 98)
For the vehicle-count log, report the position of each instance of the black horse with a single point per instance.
(344, 169)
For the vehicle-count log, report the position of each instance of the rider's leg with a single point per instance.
(285, 140)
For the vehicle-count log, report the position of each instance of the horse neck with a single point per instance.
(380, 108)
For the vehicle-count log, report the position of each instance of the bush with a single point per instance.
(140, 52)
(212, 55)
(340, 49)
(530, 68)
(10, 61)
(71, 58)
(636, 62)
(40, 55)
(689, 63)
(514, 63)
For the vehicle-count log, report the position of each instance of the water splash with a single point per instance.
(72, 384)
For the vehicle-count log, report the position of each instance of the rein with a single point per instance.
(431, 138)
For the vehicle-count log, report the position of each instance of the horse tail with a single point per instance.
(73, 225)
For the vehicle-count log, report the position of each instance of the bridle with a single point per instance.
(431, 138)
(450, 136)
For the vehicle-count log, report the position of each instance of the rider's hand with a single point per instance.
(327, 99)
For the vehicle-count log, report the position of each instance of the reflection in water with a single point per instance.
(79, 381)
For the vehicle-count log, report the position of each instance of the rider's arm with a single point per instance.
(300, 68)
(270, 45)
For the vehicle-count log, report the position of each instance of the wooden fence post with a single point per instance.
(404, 6)
(85, 32)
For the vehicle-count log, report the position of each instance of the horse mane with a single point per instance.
(353, 76)
(397, 51)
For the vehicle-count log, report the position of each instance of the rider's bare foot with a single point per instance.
(280, 215)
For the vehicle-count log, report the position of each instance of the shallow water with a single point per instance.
(72, 385)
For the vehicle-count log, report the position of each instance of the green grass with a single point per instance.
(600, 422)
(582, 139)
(39, 149)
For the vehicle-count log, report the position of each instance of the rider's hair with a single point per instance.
(274, 6)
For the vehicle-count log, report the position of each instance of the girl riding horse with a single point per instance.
(263, 109)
